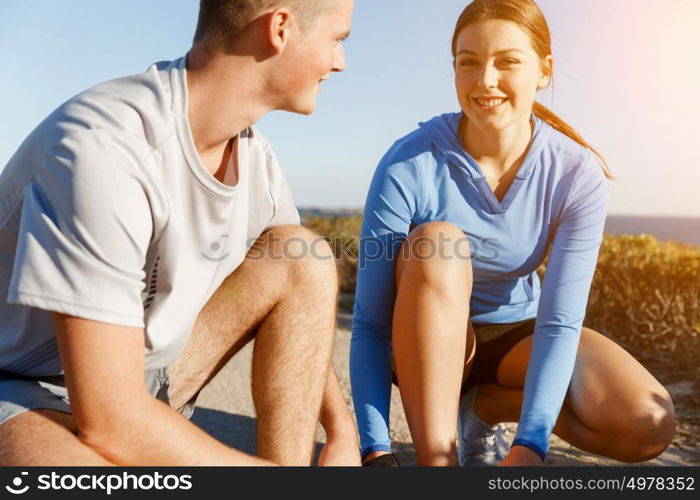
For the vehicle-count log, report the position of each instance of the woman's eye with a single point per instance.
(467, 63)
(511, 61)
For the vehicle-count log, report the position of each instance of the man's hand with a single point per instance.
(342, 446)
(521, 455)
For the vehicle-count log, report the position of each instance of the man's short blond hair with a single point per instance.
(221, 22)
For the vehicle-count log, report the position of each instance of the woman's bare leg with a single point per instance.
(431, 313)
(614, 407)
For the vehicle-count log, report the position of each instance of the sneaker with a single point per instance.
(388, 460)
(480, 445)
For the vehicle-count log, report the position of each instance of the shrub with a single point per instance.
(647, 295)
(342, 233)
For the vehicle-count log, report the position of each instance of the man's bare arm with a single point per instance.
(104, 367)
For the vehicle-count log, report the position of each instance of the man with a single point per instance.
(146, 227)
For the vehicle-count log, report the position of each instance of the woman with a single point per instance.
(504, 182)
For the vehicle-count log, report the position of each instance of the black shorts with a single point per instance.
(493, 342)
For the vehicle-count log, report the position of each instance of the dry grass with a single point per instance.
(647, 295)
(343, 234)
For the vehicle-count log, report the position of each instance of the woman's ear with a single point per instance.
(546, 72)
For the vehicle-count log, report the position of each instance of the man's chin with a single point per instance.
(302, 109)
(301, 106)
(307, 111)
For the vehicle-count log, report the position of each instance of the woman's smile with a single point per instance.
(489, 103)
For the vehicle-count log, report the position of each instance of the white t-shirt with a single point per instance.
(107, 213)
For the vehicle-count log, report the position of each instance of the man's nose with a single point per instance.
(339, 62)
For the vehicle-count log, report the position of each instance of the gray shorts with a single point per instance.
(19, 393)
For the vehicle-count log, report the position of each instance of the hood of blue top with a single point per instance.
(443, 132)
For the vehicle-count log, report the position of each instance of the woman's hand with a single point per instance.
(521, 455)
(340, 451)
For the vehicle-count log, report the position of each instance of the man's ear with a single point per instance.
(279, 27)
(546, 72)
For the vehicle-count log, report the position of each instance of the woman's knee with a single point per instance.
(656, 425)
(639, 413)
(435, 251)
(647, 429)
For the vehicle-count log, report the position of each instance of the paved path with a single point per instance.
(225, 410)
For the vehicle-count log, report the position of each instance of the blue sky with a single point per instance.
(626, 76)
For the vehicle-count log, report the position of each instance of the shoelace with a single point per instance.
(493, 443)
(501, 441)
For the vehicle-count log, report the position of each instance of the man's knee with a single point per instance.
(304, 253)
(47, 438)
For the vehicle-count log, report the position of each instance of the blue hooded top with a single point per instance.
(556, 204)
